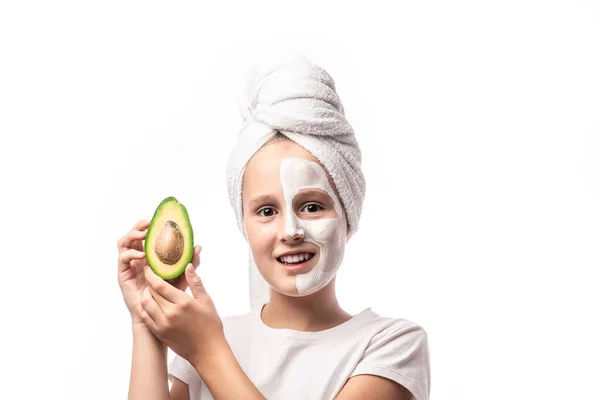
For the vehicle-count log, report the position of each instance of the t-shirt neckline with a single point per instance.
(336, 331)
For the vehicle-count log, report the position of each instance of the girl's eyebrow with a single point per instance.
(320, 194)
(312, 191)
(260, 199)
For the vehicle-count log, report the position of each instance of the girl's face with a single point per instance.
(294, 221)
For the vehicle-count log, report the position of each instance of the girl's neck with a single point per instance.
(312, 313)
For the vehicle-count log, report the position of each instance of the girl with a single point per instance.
(295, 184)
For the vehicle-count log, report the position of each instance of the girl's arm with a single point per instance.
(180, 390)
(148, 379)
(372, 387)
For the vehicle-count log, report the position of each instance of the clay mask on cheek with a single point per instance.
(329, 234)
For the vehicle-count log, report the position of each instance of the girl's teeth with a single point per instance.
(296, 258)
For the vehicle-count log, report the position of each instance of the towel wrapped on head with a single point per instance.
(297, 98)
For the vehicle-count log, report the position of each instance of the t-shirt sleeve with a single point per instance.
(399, 352)
(181, 369)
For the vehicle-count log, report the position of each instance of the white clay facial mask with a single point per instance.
(329, 234)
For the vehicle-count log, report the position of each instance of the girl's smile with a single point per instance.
(299, 263)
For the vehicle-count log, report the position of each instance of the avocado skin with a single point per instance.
(153, 229)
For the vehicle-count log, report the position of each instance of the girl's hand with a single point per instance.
(131, 264)
(190, 326)
(130, 268)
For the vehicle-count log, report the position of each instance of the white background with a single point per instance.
(479, 125)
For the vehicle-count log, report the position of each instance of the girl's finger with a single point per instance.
(138, 245)
(151, 307)
(163, 287)
(127, 256)
(131, 254)
(141, 224)
(178, 283)
(149, 322)
(133, 236)
(161, 301)
(196, 257)
(138, 264)
(196, 285)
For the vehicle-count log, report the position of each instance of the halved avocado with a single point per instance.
(169, 243)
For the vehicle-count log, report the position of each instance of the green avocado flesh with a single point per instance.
(169, 243)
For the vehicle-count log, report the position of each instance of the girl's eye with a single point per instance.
(313, 208)
(266, 212)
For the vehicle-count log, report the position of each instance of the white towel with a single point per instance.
(298, 99)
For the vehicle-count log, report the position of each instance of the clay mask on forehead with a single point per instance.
(329, 234)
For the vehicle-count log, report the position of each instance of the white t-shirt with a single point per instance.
(288, 364)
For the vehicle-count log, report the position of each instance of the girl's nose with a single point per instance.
(292, 232)
(294, 236)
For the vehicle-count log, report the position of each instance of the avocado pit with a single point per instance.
(169, 243)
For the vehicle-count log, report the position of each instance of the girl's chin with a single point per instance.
(287, 287)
